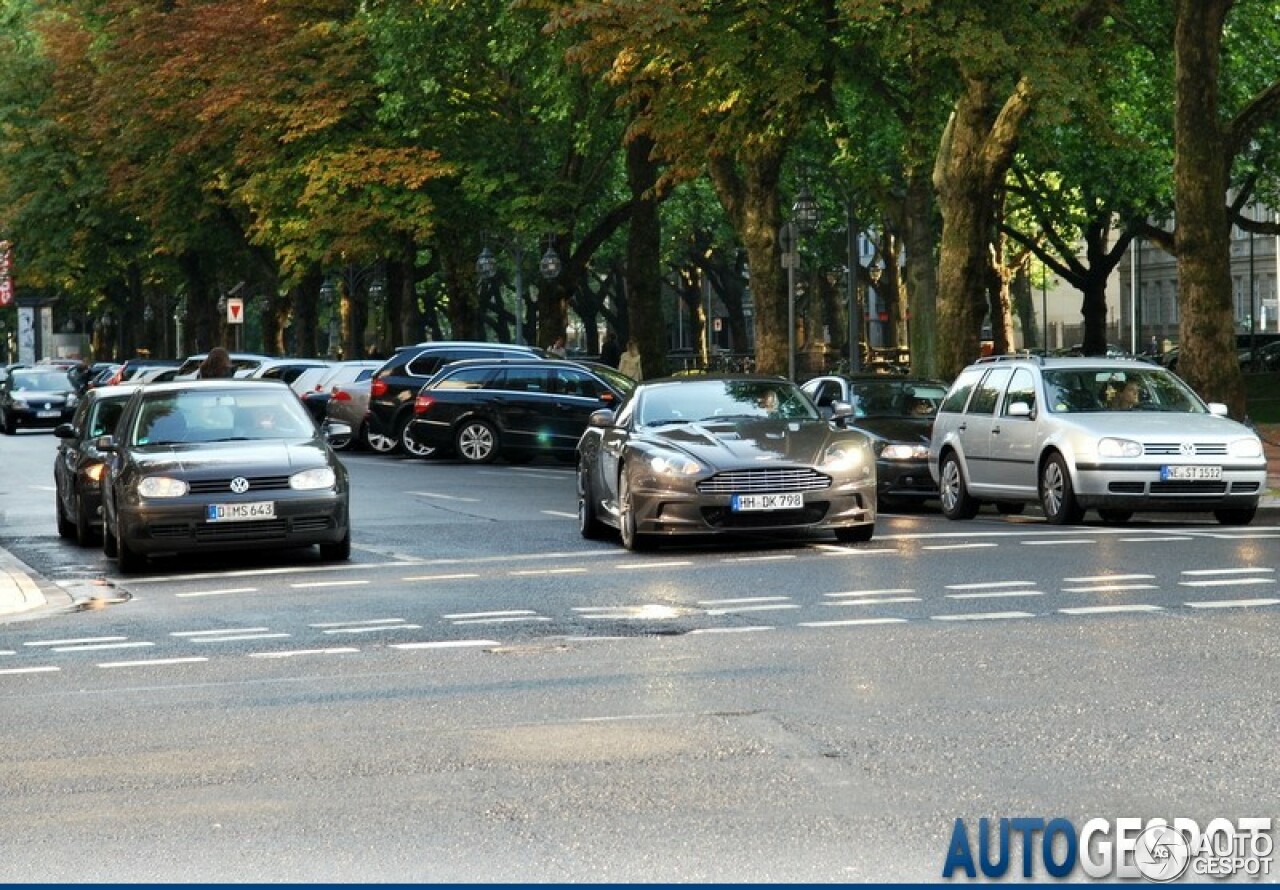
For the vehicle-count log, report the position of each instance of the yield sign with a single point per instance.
(235, 310)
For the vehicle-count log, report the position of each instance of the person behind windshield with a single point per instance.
(767, 402)
(1126, 397)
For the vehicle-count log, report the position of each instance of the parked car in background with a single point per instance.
(241, 362)
(79, 463)
(349, 404)
(723, 455)
(320, 387)
(133, 367)
(478, 409)
(220, 465)
(1072, 434)
(897, 414)
(396, 383)
(39, 397)
(289, 370)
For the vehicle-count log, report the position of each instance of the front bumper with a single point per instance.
(662, 510)
(301, 520)
(1141, 488)
(905, 480)
(31, 419)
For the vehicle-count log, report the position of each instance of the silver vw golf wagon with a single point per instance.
(1115, 435)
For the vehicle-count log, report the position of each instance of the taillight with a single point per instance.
(422, 404)
(377, 389)
(341, 395)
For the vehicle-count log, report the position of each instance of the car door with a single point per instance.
(1014, 443)
(522, 407)
(974, 430)
(577, 394)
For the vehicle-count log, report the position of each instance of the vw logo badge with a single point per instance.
(239, 485)
(1187, 448)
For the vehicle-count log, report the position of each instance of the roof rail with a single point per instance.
(1010, 357)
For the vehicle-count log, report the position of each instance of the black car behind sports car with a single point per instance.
(221, 465)
(897, 414)
(732, 454)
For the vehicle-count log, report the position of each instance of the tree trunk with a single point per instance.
(644, 276)
(1207, 359)
(920, 236)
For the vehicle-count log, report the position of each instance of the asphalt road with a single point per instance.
(481, 695)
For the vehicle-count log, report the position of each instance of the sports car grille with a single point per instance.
(768, 480)
(256, 483)
(1201, 449)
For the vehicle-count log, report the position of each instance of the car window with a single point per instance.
(425, 365)
(105, 416)
(467, 378)
(1022, 388)
(828, 391)
(577, 383)
(215, 415)
(987, 393)
(524, 380)
(961, 389)
(38, 381)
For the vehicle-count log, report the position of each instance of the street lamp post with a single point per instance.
(804, 219)
(487, 269)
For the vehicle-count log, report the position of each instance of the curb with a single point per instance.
(23, 591)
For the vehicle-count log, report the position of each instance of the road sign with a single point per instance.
(6, 291)
(235, 310)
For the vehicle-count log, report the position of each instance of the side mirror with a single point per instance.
(1217, 409)
(602, 419)
(105, 443)
(64, 431)
(1019, 409)
(840, 412)
(336, 430)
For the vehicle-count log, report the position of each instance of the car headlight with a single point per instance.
(674, 465)
(93, 472)
(905, 452)
(162, 487)
(842, 457)
(1119, 448)
(1251, 447)
(310, 480)
(71, 400)
(20, 404)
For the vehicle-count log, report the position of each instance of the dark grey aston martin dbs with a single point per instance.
(733, 454)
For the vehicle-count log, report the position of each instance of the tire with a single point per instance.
(66, 528)
(108, 541)
(589, 524)
(412, 448)
(9, 425)
(855, 534)
(337, 552)
(128, 560)
(1236, 515)
(476, 442)
(1057, 498)
(85, 535)
(1115, 516)
(1010, 509)
(631, 539)
(377, 442)
(956, 500)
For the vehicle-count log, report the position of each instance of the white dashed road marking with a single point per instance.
(1103, 610)
(1233, 604)
(982, 616)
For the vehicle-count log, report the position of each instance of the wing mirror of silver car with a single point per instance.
(602, 418)
(334, 429)
(1217, 409)
(1019, 409)
(840, 412)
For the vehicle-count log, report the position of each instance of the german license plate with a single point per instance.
(48, 413)
(1183, 473)
(240, 512)
(743, 503)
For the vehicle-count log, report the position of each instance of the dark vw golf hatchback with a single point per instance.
(221, 465)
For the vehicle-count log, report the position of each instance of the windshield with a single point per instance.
(1086, 390)
(703, 400)
(41, 381)
(220, 416)
(619, 381)
(895, 398)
